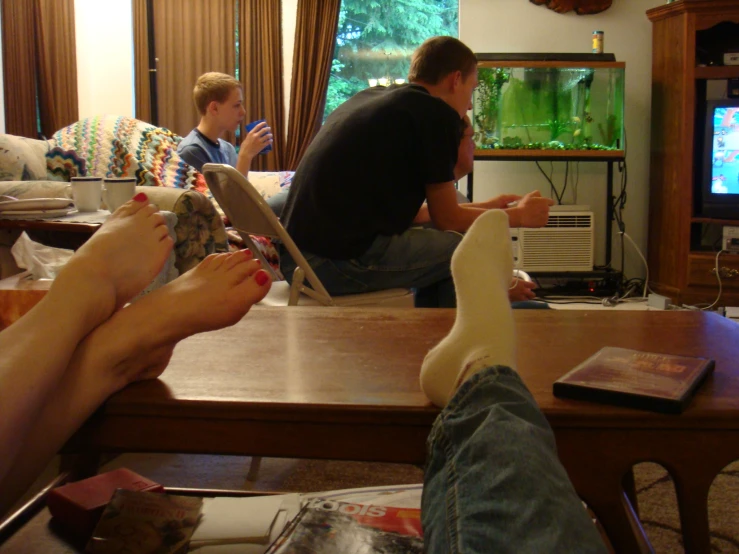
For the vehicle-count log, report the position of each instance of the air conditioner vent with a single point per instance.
(570, 221)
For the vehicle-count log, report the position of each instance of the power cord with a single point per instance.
(718, 278)
(625, 235)
(720, 288)
(551, 182)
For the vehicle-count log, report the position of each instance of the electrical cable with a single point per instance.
(718, 278)
(551, 183)
(646, 266)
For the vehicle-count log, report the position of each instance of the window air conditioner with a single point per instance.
(566, 243)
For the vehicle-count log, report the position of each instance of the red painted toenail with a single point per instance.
(259, 262)
(261, 277)
(247, 253)
(141, 197)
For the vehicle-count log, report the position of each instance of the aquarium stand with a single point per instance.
(608, 157)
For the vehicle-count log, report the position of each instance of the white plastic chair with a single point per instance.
(250, 214)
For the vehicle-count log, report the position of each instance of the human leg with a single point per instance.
(418, 258)
(493, 481)
(134, 344)
(115, 264)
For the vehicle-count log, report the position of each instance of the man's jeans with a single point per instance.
(493, 481)
(418, 259)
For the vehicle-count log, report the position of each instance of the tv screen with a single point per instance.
(721, 160)
(725, 151)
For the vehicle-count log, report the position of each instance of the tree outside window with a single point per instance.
(375, 40)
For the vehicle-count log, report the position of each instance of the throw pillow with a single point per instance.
(20, 159)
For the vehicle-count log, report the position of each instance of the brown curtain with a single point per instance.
(192, 37)
(57, 64)
(19, 66)
(315, 39)
(141, 61)
(39, 63)
(260, 60)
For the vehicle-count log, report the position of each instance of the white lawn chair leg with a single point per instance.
(298, 279)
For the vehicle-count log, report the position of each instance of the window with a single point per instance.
(375, 40)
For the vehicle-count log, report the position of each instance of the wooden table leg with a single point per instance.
(692, 499)
(606, 497)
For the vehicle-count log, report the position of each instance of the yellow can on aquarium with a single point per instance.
(598, 37)
(569, 107)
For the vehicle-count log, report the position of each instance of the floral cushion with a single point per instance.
(20, 159)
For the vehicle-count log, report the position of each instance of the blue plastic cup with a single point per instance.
(253, 124)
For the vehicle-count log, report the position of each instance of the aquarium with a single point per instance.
(569, 106)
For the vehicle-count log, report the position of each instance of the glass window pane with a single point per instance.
(375, 40)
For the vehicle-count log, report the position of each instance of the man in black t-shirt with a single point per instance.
(367, 173)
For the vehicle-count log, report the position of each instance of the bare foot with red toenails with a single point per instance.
(217, 293)
(135, 343)
(115, 264)
(119, 260)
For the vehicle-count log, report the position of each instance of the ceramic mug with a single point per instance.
(118, 191)
(87, 193)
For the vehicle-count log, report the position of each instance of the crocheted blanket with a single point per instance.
(119, 146)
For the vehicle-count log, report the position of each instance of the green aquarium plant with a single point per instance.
(487, 103)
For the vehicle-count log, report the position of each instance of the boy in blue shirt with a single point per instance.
(220, 102)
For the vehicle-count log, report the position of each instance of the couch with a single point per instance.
(114, 146)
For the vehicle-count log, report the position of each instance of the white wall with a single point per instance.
(520, 26)
(104, 37)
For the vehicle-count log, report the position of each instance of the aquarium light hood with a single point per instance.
(545, 57)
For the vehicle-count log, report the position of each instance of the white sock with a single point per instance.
(483, 334)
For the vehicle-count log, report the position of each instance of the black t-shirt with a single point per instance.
(366, 171)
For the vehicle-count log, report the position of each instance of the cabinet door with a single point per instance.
(702, 270)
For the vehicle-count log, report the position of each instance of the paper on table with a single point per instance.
(242, 520)
(246, 548)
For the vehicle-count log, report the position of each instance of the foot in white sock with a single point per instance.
(483, 333)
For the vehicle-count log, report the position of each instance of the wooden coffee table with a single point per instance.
(18, 294)
(343, 384)
(62, 232)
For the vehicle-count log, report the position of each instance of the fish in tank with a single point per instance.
(552, 105)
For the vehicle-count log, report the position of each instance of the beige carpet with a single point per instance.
(658, 509)
(656, 493)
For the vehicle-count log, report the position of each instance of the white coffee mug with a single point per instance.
(87, 193)
(117, 192)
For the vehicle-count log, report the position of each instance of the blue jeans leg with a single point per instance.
(494, 482)
(418, 259)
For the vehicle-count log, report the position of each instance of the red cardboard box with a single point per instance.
(78, 506)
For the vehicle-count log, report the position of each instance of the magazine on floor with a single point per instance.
(332, 527)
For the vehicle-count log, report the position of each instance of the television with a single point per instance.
(720, 172)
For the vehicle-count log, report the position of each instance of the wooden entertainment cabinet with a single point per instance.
(681, 265)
